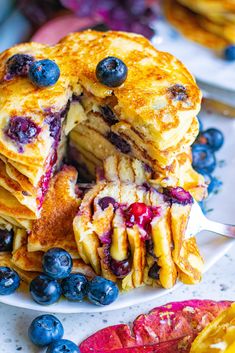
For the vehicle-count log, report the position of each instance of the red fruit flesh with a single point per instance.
(163, 324)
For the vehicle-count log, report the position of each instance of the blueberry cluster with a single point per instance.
(57, 279)
(47, 330)
(42, 73)
(204, 155)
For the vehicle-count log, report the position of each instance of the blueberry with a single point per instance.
(9, 281)
(45, 329)
(154, 271)
(229, 53)
(57, 263)
(18, 65)
(6, 240)
(44, 290)
(178, 195)
(178, 92)
(74, 287)
(119, 142)
(104, 202)
(203, 159)
(63, 346)
(101, 291)
(44, 73)
(108, 115)
(22, 129)
(214, 138)
(120, 268)
(111, 72)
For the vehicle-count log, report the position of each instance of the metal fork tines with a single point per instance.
(198, 222)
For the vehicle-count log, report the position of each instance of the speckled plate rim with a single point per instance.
(213, 247)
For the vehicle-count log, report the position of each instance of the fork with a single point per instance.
(198, 222)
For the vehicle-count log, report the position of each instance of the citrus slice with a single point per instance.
(218, 336)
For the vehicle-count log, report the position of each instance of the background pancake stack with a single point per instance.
(208, 22)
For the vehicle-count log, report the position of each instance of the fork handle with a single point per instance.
(220, 228)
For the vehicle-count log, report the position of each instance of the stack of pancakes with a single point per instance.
(208, 22)
(151, 117)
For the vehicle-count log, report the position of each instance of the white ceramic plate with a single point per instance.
(202, 62)
(213, 247)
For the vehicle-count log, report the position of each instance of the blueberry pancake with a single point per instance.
(210, 23)
(51, 93)
(132, 231)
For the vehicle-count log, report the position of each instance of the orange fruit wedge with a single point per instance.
(218, 336)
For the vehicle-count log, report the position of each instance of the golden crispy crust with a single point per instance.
(55, 226)
(143, 99)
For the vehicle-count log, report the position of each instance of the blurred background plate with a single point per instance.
(202, 62)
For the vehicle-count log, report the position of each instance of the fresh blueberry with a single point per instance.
(57, 263)
(45, 329)
(6, 240)
(74, 287)
(9, 281)
(63, 346)
(101, 291)
(214, 138)
(18, 65)
(44, 290)
(22, 129)
(203, 159)
(111, 72)
(44, 73)
(229, 53)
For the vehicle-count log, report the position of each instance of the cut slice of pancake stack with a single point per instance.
(208, 22)
(152, 117)
(132, 232)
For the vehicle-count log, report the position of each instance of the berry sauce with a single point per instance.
(142, 215)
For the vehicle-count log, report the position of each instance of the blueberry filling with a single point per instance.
(150, 247)
(178, 195)
(120, 268)
(6, 240)
(108, 115)
(18, 65)
(22, 130)
(119, 142)
(178, 92)
(154, 271)
(106, 201)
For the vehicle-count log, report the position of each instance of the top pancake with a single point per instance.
(145, 99)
